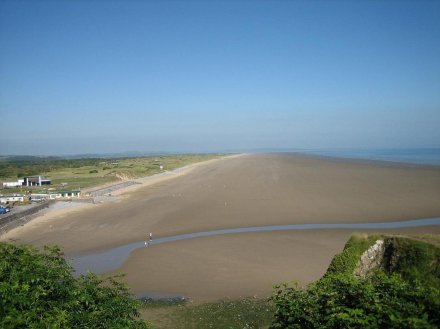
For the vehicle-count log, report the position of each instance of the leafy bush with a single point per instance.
(403, 293)
(37, 289)
(343, 301)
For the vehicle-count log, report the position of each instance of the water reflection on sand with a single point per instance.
(112, 259)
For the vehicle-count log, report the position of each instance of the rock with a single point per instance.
(370, 259)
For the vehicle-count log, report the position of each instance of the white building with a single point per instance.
(55, 195)
(11, 198)
(18, 183)
(36, 181)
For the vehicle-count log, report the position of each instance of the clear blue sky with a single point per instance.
(112, 76)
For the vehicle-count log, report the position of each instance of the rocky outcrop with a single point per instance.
(371, 259)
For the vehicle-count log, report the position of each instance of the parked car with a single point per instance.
(5, 209)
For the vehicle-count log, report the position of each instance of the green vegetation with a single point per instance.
(83, 173)
(415, 261)
(37, 290)
(343, 301)
(230, 314)
(402, 293)
(346, 261)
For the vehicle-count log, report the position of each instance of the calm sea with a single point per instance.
(414, 156)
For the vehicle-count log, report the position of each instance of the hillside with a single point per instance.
(375, 282)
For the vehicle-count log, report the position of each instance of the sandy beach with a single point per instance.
(247, 190)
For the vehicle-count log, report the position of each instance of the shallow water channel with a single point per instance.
(109, 260)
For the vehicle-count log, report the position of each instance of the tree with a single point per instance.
(37, 289)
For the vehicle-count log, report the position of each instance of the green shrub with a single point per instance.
(37, 290)
(343, 301)
(403, 293)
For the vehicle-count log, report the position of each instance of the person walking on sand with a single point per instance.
(147, 242)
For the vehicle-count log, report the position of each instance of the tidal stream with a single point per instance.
(111, 259)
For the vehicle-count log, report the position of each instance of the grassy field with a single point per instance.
(227, 314)
(84, 173)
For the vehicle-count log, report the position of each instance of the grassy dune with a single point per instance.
(84, 173)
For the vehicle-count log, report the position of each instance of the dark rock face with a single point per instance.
(391, 256)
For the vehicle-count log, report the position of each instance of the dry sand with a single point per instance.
(251, 190)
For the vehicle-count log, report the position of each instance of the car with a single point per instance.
(3, 210)
(7, 209)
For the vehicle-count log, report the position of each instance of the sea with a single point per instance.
(425, 156)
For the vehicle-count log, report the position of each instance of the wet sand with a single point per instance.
(235, 266)
(250, 190)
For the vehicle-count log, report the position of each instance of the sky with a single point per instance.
(212, 76)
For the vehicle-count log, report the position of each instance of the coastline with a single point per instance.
(405, 156)
(243, 191)
(62, 209)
